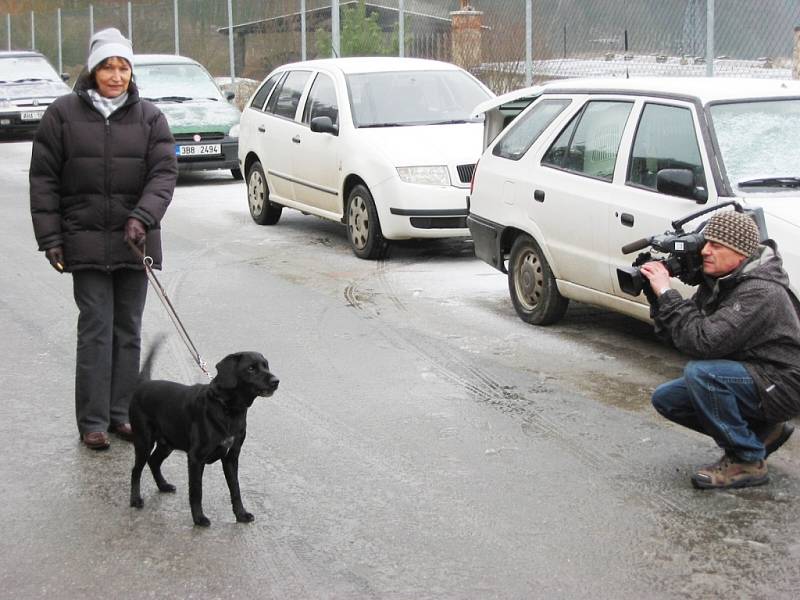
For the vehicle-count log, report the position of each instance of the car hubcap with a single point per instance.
(358, 222)
(530, 280)
(255, 193)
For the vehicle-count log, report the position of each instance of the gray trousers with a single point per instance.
(110, 306)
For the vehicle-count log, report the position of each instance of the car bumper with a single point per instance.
(227, 159)
(420, 211)
(12, 122)
(486, 237)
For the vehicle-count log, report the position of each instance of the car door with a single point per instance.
(276, 149)
(666, 136)
(571, 191)
(315, 161)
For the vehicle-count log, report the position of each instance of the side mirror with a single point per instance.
(324, 125)
(680, 182)
(65, 77)
(229, 96)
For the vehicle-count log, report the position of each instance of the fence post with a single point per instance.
(33, 30)
(91, 20)
(8, 29)
(709, 38)
(130, 22)
(58, 35)
(528, 43)
(177, 27)
(230, 41)
(303, 30)
(401, 28)
(335, 33)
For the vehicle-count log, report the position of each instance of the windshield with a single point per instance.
(175, 83)
(26, 68)
(758, 142)
(398, 98)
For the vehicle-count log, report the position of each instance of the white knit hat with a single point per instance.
(107, 43)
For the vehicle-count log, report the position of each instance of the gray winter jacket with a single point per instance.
(751, 316)
(90, 174)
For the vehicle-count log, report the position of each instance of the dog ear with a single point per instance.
(226, 371)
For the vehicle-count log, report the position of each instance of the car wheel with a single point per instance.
(262, 210)
(363, 227)
(532, 285)
(237, 174)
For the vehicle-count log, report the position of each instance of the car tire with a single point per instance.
(363, 226)
(237, 174)
(262, 210)
(532, 286)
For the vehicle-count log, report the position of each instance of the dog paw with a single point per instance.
(245, 517)
(202, 521)
(137, 502)
(166, 488)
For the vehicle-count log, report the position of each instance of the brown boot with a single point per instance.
(728, 472)
(96, 440)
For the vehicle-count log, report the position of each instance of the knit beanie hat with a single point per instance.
(735, 230)
(107, 43)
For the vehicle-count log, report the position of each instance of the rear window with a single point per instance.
(527, 128)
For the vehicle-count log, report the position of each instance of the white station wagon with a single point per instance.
(385, 145)
(591, 166)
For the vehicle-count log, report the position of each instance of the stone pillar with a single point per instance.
(796, 54)
(466, 38)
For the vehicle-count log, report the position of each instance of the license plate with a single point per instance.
(32, 115)
(198, 150)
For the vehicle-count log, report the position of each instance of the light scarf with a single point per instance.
(106, 106)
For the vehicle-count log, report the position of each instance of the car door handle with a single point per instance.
(262, 129)
(296, 139)
(538, 195)
(626, 219)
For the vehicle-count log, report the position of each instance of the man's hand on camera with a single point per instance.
(135, 231)
(56, 257)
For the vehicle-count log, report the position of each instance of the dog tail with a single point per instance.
(147, 364)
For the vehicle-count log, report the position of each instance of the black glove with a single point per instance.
(135, 231)
(56, 257)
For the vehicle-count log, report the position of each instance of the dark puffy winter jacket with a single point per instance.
(90, 174)
(751, 316)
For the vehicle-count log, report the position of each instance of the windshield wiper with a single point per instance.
(170, 99)
(452, 122)
(780, 182)
(371, 125)
(29, 79)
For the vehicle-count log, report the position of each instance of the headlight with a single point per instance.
(234, 132)
(6, 105)
(437, 175)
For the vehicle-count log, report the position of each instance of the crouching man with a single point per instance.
(742, 328)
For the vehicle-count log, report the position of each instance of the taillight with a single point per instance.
(472, 181)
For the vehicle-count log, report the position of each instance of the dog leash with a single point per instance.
(147, 261)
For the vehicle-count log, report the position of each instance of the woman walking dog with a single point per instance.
(103, 170)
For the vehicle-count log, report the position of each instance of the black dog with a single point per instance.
(207, 421)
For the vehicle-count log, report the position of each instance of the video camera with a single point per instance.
(683, 259)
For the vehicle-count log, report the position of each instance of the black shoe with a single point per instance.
(776, 437)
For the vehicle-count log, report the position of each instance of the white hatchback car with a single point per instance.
(385, 145)
(591, 166)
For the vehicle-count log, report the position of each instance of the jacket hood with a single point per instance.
(766, 265)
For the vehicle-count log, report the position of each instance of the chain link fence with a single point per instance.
(506, 43)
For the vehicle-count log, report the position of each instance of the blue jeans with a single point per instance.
(717, 398)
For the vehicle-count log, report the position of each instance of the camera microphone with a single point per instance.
(637, 245)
